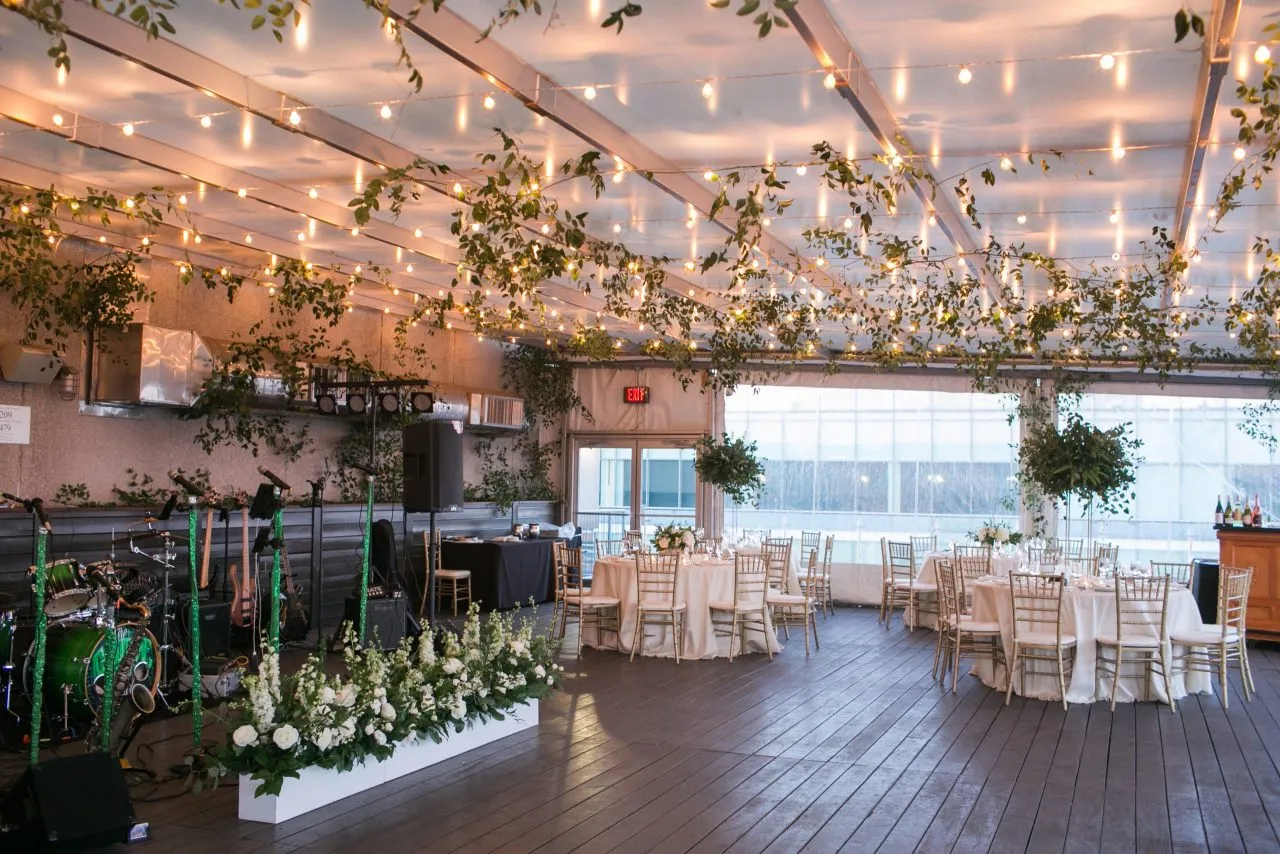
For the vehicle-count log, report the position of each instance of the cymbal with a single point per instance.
(135, 536)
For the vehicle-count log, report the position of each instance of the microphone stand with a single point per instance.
(197, 682)
(277, 539)
(367, 546)
(36, 507)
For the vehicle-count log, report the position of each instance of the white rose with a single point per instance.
(1003, 536)
(348, 728)
(368, 729)
(459, 710)
(388, 712)
(324, 740)
(327, 696)
(285, 737)
(380, 737)
(539, 671)
(518, 647)
(347, 696)
(452, 666)
(244, 736)
(688, 538)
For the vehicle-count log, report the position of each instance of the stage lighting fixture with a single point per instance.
(389, 402)
(422, 401)
(357, 402)
(327, 403)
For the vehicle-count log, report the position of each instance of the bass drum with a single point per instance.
(76, 657)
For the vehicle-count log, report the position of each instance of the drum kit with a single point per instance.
(98, 639)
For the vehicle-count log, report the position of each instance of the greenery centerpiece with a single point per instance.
(996, 534)
(424, 689)
(674, 538)
(1077, 459)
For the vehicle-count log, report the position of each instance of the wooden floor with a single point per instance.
(851, 749)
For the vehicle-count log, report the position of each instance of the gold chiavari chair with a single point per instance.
(573, 602)
(610, 548)
(1141, 607)
(979, 552)
(1177, 573)
(451, 584)
(916, 596)
(748, 610)
(1074, 549)
(1037, 630)
(1104, 553)
(1045, 554)
(822, 580)
(1215, 647)
(959, 634)
(656, 603)
(969, 568)
(792, 609)
(778, 552)
(810, 541)
(922, 546)
(633, 540)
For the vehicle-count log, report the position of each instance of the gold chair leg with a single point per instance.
(1062, 680)
(1008, 689)
(813, 618)
(955, 662)
(636, 639)
(1115, 677)
(1222, 677)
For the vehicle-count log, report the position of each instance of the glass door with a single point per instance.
(604, 491)
(668, 488)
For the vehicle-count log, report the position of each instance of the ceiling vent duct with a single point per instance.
(495, 412)
(150, 365)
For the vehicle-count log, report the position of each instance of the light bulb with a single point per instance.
(385, 111)
(489, 103)
(1022, 219)
(1117, 152)
(57, 119)
(617, 228)
(1239, 152)
(248, 238)
(1006, 164)
(127, 130)
(206, 122)
(1115, 256)
(546, 229)
(708, 90)
(965, 74)
(313, 193)
(848, 222)
(302, 235)
(242, 192)
(295, 118)
(182, 200)
(617, 176)
(767, 221)
(589, 93)
(408, 268)
(1114, 218)
(146, 241)
(1196, 257)
(801, 170)
(1107, 61)
(933, 220)
(1262, 54)
(355, 232)
(417, 232)
(475, 226)
(457, 189)
(829, 81)
(709, 175)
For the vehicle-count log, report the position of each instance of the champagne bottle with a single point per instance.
(1226, 514)
(1238, 515)
(1217, 512)
(1257, 512)
(1246, 516)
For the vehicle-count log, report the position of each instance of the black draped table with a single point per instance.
(504, 574)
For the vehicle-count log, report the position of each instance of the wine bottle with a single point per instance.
(1257, 512)
(1238, 515)
(1226, 514)
(1217, 512)
(1246, 516)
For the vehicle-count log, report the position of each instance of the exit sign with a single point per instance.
(635, 394)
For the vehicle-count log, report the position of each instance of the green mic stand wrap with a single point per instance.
(277, 541)
(42, 528)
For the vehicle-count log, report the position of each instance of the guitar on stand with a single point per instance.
(243, 598)
(295, 619)
(204, 557)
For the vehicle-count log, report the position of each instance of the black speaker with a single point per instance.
(215, 626)
(384, 619)
(69, 804)
(432, 467)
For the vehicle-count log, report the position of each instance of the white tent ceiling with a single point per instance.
(1037, 84)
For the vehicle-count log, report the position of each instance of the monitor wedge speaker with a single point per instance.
(69, 804)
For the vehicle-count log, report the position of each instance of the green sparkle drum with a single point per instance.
(76, 662)
(65, 588)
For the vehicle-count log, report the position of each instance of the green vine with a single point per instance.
(388, 463)
(545, 381)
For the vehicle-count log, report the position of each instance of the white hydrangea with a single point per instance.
(688, 539)
(539, 671)
(327, 695)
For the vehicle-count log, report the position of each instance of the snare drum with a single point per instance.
(65, 588)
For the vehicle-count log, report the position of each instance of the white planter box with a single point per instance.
(318, 787)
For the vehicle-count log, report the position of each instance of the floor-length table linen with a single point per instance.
(1001, 565)
(1087, 614)
(701, 581)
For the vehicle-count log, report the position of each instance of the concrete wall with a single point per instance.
(69, 447)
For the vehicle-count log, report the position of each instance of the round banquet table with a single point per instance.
(1001, 565)
(701, 581)
(1086, 614)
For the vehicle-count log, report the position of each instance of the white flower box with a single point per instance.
(318, 787)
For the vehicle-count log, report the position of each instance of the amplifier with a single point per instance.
(385, 619)
(215, 624)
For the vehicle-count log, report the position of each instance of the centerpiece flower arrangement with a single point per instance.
(674, 537)
(423, 689)
(996, 534)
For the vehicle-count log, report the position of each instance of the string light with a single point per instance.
(302, 235)
(313, 193)
(57, 119)
(206, 122)
(708, 91)
(1107, 61)
(242, 192)
(1239, 152)
(355, 232)
(589, 93)
(1262, 54)
(489, 103)
(1006, 164)
(127, 130)
(1114, 218)
(1117, 152)
(248, 238)
(295, 118)
(1022, 219)
(385, 111)
(965, 75)
(801, 170)
(457, 188)
(417, 232)
(709, 175)
(182, 200)
(617, 228)
(829, 81)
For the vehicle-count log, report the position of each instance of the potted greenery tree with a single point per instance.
(1081, 461)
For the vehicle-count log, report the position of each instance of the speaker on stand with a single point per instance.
(432, 484)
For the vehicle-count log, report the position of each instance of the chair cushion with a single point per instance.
(453, 573)
(735, 606)
(1044, 639)
(786, 599)
(589, 601)
(1210, 635)
(660, 606)
(968, 624)
(1133, 641)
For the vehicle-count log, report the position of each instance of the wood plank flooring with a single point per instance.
(852, 749)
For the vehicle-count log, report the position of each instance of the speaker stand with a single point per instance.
(432, 559)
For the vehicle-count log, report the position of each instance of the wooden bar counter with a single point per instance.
(1260, 549)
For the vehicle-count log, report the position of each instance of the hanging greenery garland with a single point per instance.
(1078, 460)
(732, 465)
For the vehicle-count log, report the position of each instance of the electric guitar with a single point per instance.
(294, 613)
(242, 595)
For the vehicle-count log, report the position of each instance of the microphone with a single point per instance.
(274, 478)
(186, 484)
(13, 499)
(37, 505)
(364, 467)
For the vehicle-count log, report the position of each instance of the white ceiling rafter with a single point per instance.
(834, 52)
(1215, 63)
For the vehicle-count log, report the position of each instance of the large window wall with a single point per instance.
(867, 463)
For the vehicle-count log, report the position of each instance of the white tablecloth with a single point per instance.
(1001, 564)
(700, 582)
(1086, 614)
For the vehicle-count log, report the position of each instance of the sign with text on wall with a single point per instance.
(15, 425)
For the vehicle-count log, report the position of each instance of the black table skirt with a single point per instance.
(504, 575)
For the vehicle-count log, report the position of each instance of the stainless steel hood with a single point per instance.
(152, 366)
